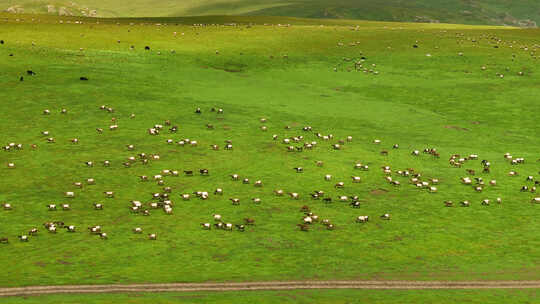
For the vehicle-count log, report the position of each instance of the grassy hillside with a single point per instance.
(500, 12)
(302, 75)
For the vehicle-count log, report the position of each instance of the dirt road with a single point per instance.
(187, 287)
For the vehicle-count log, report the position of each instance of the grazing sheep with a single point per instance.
(11, 165)
(4, 240)
(103, 236)
(51, 207)
(70, 228)
(279, 192)
(235, 201)
(95, 229)
(203, 171)
(240, 228)
(448, 203)
(66, 207)
(185, 197)
(339, 185)
(245, 181)
(152, 236)
(355, 204)
(7, 206)
(258, 183)
(98, 206)
(536, 200)
(218, 191)
(362, 219)
(485, 202)
(109, 194)
(327, 177)
(385, 216)
(228, 226)
(356, 179)
(294, 195)
(206, 226)
(256, 200)
(23, 238)
(234, 176)
(465, 204)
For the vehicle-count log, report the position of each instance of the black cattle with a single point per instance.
(83, 78)
(30, 72)
(147, 48)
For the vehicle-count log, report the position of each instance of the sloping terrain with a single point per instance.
(525, 13)
(458, 89)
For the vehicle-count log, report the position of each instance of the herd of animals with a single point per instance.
(164, 200)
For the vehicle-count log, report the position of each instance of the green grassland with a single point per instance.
(444, 101)
(298, 296)
(454, 11)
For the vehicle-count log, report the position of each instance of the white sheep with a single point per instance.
(362, 219)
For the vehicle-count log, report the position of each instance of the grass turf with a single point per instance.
(298, 296)
(444, 101)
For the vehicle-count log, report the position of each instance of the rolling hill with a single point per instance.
(524, 13)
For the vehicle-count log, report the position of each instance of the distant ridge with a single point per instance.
(523, 13)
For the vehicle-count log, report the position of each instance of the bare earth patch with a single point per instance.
(456, 128)
(378, 191)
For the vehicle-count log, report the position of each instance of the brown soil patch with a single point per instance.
(378, 191)
(456, 128)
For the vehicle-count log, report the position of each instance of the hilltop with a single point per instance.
(524, 13)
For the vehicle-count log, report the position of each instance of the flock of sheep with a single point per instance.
(164, 200)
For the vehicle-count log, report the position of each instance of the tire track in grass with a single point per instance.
(247, 286)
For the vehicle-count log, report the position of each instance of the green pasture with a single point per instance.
(299, 75)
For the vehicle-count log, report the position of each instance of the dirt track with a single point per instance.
(187, 287)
